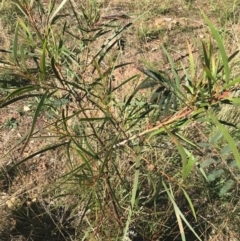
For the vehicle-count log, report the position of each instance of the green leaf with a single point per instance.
(216, 137)
(35, 117)
(85, 160)
(147, 83)
(20, 6)
(29, 35)
(202, 171)
(78, 147)
(133, 198)
(173, 66)
(23, 58)
(190, 203)
(186, 140)
(191, 60)
(183, 154)
(106, 43)
(57, 10)
(215, 174)
(234, 100)
(225, 150)
(209, 75)
(179, 213)
(21, 91)
(207, 162)
(191, 162)
(232, 56)
(156, 75)
(132, 78)
(228, 185)
(58, 75)
(227, 136)
(54, 20)
(15, 44)
(60, 102)
(207, 53)
(43, 60)
(53, 147)
(221, 48)
(232, 83)
(21, 97)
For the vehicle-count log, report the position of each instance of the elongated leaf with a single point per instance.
(86, 161)
(128, 102)
(78, 147)
(158, 94)
(57, 10)
(183, 154)
(191, 162)
(157, 76)
(20, 6)
(227, 136)
(157, 132)
(186, 164)
(209, 75)
(231, 57)
(210, 79)
(21, 91)
(21, 97)
(107, 50)
(147, 83)
(53, 147)
(55, 19)
(35, 117)
(56, 70)
(220, 46)
(234, 100)
(227, 123)
(200, 168)
(207, 53)
(190, 203)
(191, 60)
(43, 60)
(178, 211)
(108, 155)
(133, 198)
(23, 58)
(187, 141)
(111, 38)
(132, 78)
(29, 35)
(177, 78)
(232, 83)
(15, 44)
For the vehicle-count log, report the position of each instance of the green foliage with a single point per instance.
(10, 123)
(193, 98)
(117, 168)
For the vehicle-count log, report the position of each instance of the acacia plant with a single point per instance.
(120, 176)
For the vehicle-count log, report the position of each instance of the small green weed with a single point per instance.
(11, 123)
